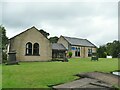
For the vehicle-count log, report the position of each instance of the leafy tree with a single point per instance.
(0, 38)
(102, 51)
(53, 39)
(109, 49)
(3, 43)
(0, 45)
(44, 33)
(115, 48)
(4, 37)
(112, 49)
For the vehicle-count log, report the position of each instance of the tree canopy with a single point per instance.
(3, 43)
(112, 49)
(44, 33)
(3, 37)
(53, 39)
(101, 51)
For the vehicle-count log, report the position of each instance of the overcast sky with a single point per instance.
(95, 21)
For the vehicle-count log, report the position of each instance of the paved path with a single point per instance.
(105, 77)
(94, 80)
(82, 83)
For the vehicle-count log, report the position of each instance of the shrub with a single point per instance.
(70, 54)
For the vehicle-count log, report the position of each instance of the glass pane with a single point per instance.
(29, 45)
(29, 48)
(36, 45)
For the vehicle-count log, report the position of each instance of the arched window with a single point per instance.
(29, 48)
(36, 49)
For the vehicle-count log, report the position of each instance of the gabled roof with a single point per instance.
(21, 33)
(26, 31)
(58, 46)
(79, 41)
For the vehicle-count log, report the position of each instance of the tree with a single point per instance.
(0, 38)
(44, 33)
(53, 39)
(4, 37)
(102, 51)
(115, 48)
(3, 43)
(112, 49)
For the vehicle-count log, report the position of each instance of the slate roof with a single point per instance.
(58, 46)
(79, 41)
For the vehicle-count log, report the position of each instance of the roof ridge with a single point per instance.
(28, 30)
(74, 37)
(78, 41)
(91, 43)
(23, 32)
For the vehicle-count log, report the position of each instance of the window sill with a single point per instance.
(32, 55)
(36, 55)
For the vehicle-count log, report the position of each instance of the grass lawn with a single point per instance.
(42, 74)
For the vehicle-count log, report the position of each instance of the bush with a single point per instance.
(70, 54)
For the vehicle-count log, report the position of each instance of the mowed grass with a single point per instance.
(43, 74)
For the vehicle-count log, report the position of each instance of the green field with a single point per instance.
(43, 74)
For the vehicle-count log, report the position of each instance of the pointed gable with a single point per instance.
(32, 28)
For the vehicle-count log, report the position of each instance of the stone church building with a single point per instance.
(31, 45)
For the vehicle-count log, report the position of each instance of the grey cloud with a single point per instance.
(72, 19)
(49, 11)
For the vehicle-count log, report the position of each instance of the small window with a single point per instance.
(73, 48)
(36, 49)
(29, 48)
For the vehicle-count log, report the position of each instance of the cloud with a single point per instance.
(96, 21)
(60, 0)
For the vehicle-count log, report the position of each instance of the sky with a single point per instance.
(95, 20)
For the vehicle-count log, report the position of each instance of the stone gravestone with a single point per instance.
(12, 58)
